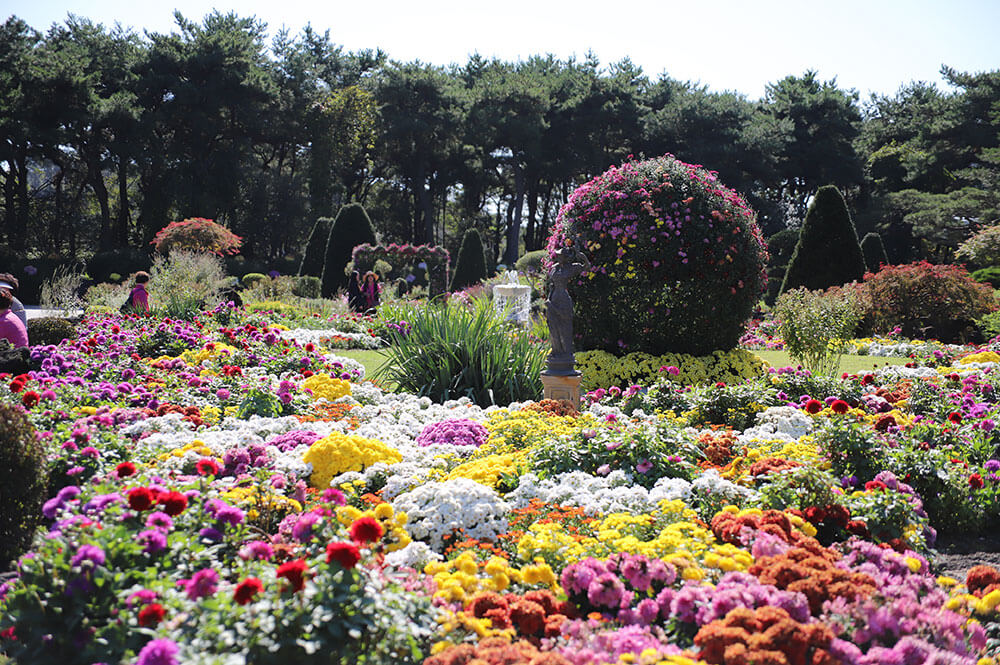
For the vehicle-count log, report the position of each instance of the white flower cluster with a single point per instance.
(436, 510)
(711, 483)
(322, 337)
(595, 494)
(416, 555)
(778, 422)
(896, 372)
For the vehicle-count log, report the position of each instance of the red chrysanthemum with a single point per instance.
(207, 467)
(814, 406)
(366, 530)
(976, 481)
(125, 469)
(840, 406)
(173, 503)
(151, 615)
(141, 498)
(872, 485)
(346, 554)
(29, 399)
(16, 386)
(247, 589)
(955, 417)
(295, 572)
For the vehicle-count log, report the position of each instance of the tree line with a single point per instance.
(107, 135)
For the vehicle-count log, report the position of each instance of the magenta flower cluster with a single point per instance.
(457, 432)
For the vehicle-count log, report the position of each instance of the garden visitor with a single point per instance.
(370, 290)
(354, 298)
(9, 282)
(11, 327)
(569, 263)
(138, 298)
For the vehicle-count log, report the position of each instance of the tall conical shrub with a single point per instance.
(470, 267)
(351, 228)
(873, 250)
(828, 253)
(314, 254)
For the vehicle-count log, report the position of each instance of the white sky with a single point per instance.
(868, 45)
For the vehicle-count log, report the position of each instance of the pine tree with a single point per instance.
(315, 252)
(351, 228)
(828, 253)
(470, 267)
(873, 250)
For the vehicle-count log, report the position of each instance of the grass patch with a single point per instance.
(372, 360)
(848, 363)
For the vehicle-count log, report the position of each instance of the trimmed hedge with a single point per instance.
(600, 369)
(828, 252)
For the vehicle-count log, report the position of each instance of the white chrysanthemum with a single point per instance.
(438, 509)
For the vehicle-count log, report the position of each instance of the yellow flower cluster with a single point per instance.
(804, 451)
(652, 656)
(669, 533)
(463, 577)
(197, 447)
(488, 469)
(210, 351)
(338, 453)
(981, 357)
(213, 414)
(256, 501)
(394, 534)
(601, 369)
(516, 430)
(324, 386)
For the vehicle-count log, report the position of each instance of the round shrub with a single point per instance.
(50, 330)
(253, 278)
(22, 482)
(927, 301)
(989, 276)
(307, 286)
(460, 432)
(531, 262)
(196, 234)
(678, 259)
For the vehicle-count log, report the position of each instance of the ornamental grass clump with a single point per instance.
(678, 259)
(452, 350)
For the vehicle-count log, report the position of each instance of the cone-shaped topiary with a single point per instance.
(314, 253)
(470, 267)
(351, 228)
(828, 253)
(678, 260)
(22, 482)
(873, 249)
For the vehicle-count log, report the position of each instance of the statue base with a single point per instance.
(562, 386)
(562, 364)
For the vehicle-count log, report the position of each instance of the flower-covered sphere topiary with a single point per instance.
(678, 259)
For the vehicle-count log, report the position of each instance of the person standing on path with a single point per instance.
(370, 290)
(138, 298)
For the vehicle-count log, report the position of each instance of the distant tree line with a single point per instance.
(107, 135)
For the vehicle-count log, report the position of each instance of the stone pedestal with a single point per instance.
(562, 386)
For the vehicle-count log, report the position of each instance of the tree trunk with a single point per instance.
(530, 237)
(19, 243)
(514, 227)
(55, 226)
(96, 179)
(124, 216)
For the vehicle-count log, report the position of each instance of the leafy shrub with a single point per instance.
(185, 282)
(314, 253)
(873, 249)
(275, 306)
(817, 326)
(989, 276)
(307, 286)
(734, 405)
(23, 479)
(351, 228)
(104, 265)
(50, 330)
(828, 253)
(196, 234)
(852, 450)
(925, 300)
(600, 369)
(450, 351)
(531, 262)
(252, 278)
(470, 267)
(268, 289)
(14, 361)
(678, 259)
(982, 248)
(781, 246)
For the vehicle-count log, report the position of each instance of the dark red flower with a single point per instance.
(875, 485)
(346, 554)
(29, 399)
(976, 481)
(366, 530)
(173, 503)
(720, 384)
(247, 589)
(16, 386)
(955, 417)
(814, 406)
(867, 379)
(884, 423)
(207, 467)
(151, 615)
(125, 469)
(141, 498)
(840, 406)
(295, 572)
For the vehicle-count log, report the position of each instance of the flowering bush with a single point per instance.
(436, 510)
(337, 453)
(601, 369)
(982, 248)
(460, 432)
(196, 234)
(678, 259)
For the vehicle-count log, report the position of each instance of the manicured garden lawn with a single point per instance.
(848, 363)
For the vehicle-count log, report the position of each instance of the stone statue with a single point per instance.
(570, 263)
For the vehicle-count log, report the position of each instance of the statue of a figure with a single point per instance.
(570, 263)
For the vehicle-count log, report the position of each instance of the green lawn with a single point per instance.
(372, 360)
(849, 364)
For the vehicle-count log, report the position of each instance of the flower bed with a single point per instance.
(230, 493)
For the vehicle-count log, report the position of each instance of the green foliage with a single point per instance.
(185, 282)
(828, 253)
(601, 369)
(125, 261)
(196, 234)
(852, 450)
(451, 350)
(314, 254)
(983, 248)
(781, 246)
(275, 306)
(531, 262)
(734, 405)
(307, 286)
(678, 259)
(873, 250)
(50, 330)
(926, 300)
(251, 279)
(989, 276)
(351, 228)
(61, 291)
(23, 479)
(106, 295)
(798, 488)
(470, 266)
(817, 326)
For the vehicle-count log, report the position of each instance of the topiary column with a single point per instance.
(828, 253)
(314, 254)
(470, 267)
(351, 228)
(873, 249)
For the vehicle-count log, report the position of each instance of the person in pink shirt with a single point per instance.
(11, 328)
(138, 299)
